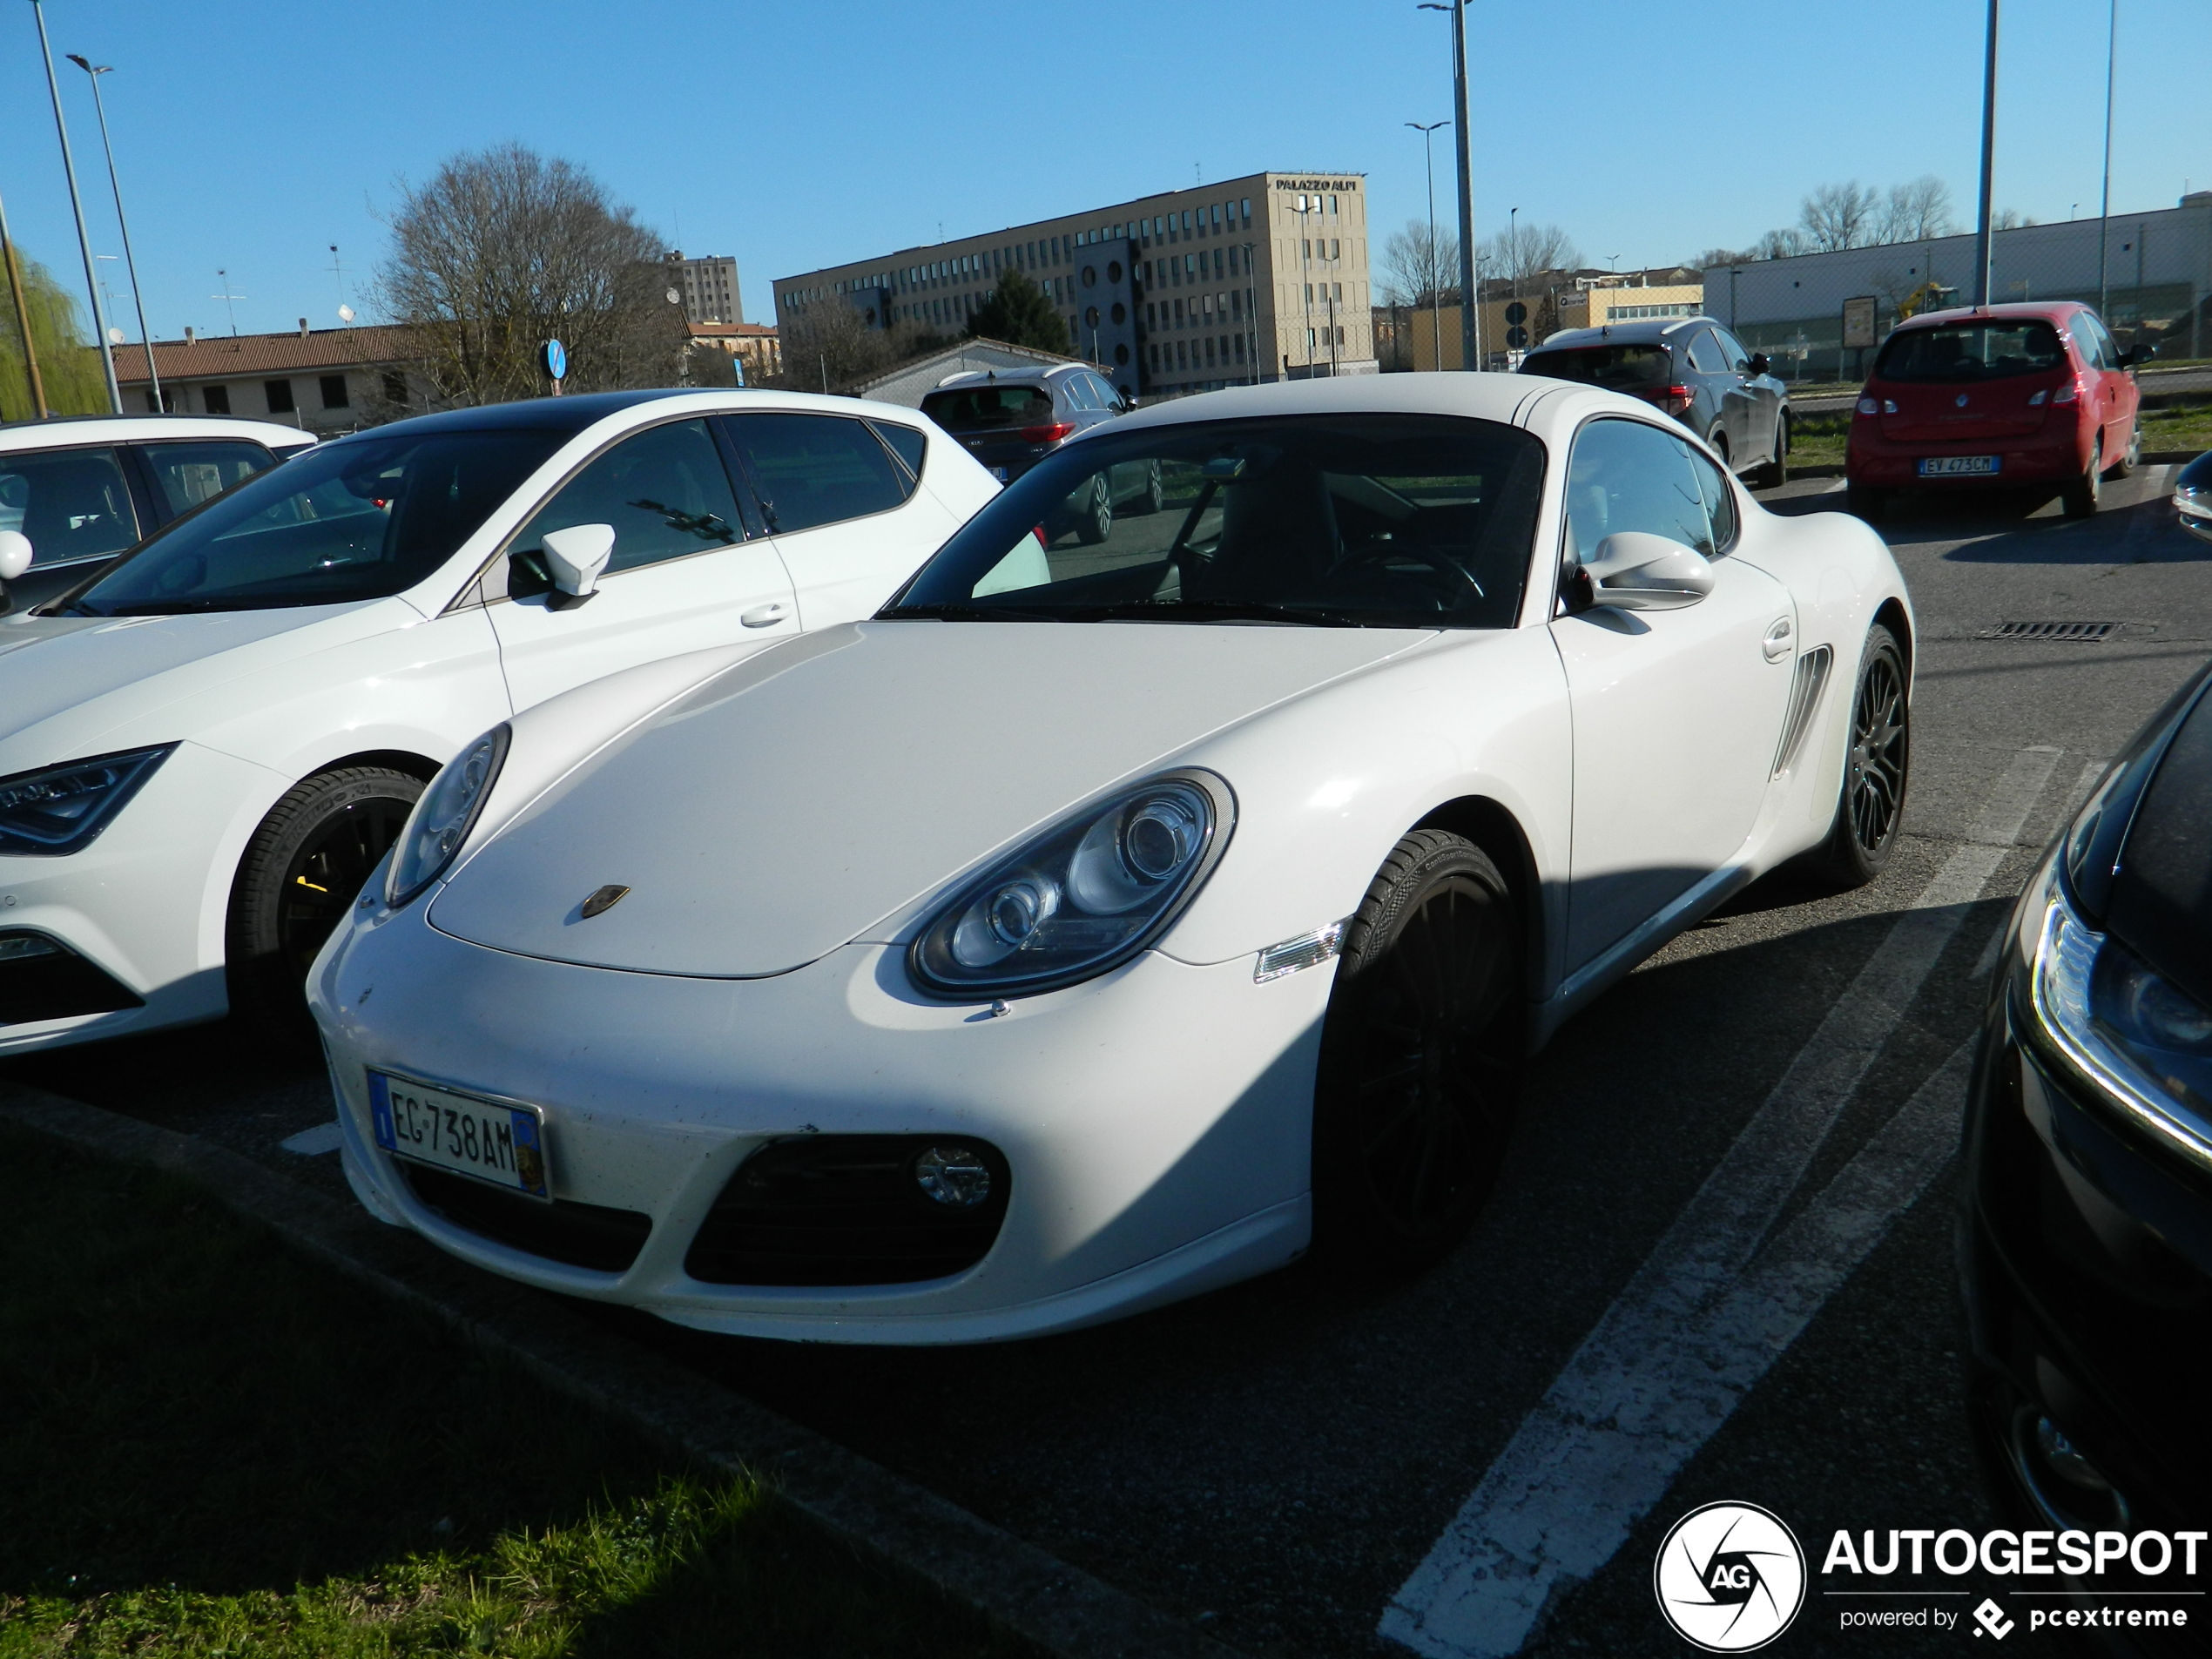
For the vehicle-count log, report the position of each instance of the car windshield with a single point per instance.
(359, 519)
(962, 407)
(1384, 521)
(1621, 367)
(1971, 351)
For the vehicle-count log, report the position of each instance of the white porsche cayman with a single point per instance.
(205, 750)
(1107, 915)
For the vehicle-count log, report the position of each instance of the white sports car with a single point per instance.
(205, 750)
(1105, 920)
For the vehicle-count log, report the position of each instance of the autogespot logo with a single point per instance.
(1729, 1577)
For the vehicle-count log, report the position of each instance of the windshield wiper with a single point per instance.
(1214, 610)
(970, 613)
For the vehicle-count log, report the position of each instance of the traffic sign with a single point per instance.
(1516, 336)
(553, 357)
(1516, 313)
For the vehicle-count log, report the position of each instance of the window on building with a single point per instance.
(333, 392)
(1248, 210)
(216, 399)
(1240, 342)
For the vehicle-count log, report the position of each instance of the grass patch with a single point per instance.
(2187, 426)
(211, 1447)
(1817, 440)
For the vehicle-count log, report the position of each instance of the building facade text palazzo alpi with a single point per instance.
(1261, 278)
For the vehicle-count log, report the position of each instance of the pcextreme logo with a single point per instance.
(1729, 1577)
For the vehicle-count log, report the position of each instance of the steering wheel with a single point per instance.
(1453, 572)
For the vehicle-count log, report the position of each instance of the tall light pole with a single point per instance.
(93, 71)
(1252, 313)
(1982, 239)
(83, 241)
(2104, 208)
(1306, 273)
(1470, 297)
(13, 272)
(1429, 272)
(1513, 258)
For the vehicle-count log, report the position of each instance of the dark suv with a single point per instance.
(1010, 422)
(1697, 371)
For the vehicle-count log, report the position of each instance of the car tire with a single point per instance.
(1420, 1062)
(1097, 522)
(2081, 498)
(1862, 501)
(2132, 456)
(297, 880)
(1870, 805)
(1776, 473)
(1153, 496)
(1718, 440)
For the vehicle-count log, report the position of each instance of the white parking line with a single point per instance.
(313, 1143)
(1640, 1397)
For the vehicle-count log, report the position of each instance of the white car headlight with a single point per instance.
(442, 819)
(1083, 897)
(60, 809)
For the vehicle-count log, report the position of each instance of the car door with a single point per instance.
(76, 508)
(1713, 384)
(1676, 713)
(691, 568)
(846, 514)
(1757, 402)
(2114, 389)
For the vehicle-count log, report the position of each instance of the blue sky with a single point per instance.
(252, 134)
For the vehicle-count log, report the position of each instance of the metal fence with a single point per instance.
(2148, 274)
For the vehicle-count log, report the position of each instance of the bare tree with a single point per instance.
(504, 249)
(1917, 212)
(829, 345)
(1838, 216)
(1529, 250)
(1419, 270)
(2010, 219)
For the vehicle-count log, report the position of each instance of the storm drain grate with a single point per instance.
(2077, 631)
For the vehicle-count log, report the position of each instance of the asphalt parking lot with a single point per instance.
(1495, 1449)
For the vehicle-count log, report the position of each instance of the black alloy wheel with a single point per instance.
(1097, 521)
(306, 862)
(1776, 472)
(1420, 1056)
(2081, 498)
(1876, 769)
(1155, 493)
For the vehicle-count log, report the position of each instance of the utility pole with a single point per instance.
(13, 273)
(2104, 209)
(1470, 296)
(84, 240)
(1429, 272)
(93, 71)
(1982, 235)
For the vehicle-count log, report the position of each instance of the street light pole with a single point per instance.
(1513, 260)
(1305, 274)
(1429, 273)
(130, 263)
(1982, 235)
(1251, 314)
(83, 241)
(1470, 297)
(2104, 208)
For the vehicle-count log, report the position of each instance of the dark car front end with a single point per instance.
(2087, 1226)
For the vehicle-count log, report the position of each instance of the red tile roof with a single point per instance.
(227, 355)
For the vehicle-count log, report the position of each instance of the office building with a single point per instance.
(1261, 278)
(708, 286)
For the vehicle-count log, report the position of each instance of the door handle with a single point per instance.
(766, 615)
(1776, 645)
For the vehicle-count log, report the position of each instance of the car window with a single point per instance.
(1103, 394)
(1732, 352)
(1719, 499)
(966, 408)
(1631, 476)
(1076, 387)
(1705, 352)
(815, 469)
(907, 442)
(1948, 354)
(188, 473)
(357, 519)
(1623, 368)
(665, 490)
(1390, 521)
(73, 503)
(2094, 343)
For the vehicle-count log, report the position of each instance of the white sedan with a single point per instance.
(206, 749)
(1101, 923)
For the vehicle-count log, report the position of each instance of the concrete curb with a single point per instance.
(1032, 1592)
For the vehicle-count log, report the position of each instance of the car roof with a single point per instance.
(1487, 395)
(571, 415)
(1637, 331)
(65, 430)
(2051, 311)
(1005, 376)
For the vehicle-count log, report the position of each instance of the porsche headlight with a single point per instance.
(2144, 1043)
(1082, 898)
(442, 819)
(60, 809)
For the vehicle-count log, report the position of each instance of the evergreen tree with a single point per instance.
(67, 363)
(1017, 312)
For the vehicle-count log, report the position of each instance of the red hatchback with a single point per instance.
(2026, 394)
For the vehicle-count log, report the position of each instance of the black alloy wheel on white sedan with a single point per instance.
(1876, 769)
(1420, 1056)
(308, 859)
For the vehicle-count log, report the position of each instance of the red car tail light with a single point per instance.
(1867, 406)
(1674, 398)
(1050, 433)
(2067, 393)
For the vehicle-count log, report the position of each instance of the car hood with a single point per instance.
(106, 671)
(797, 800)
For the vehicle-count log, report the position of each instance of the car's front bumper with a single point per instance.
(1157, 1122)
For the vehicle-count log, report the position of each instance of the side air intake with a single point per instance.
(1805, 698)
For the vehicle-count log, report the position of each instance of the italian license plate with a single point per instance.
(1959, 466)
(491, 1140)
(999, 473)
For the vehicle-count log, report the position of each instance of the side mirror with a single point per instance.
(2142, 352)
(1759, 363)
(1635, 571)
(14, 555)
(574, 558)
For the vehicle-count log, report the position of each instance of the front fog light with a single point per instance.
(955, 1176)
